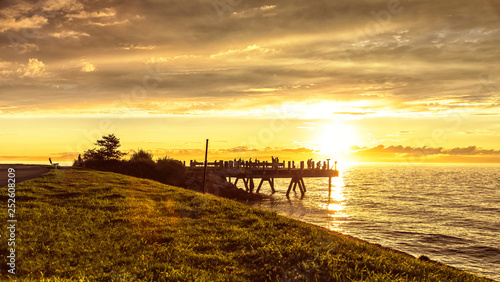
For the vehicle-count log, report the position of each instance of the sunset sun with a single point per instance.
(335, 139)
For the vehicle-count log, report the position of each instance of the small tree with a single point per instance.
(108, 151)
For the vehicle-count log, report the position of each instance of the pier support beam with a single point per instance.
(244, 182)
(271, 183)
(252, 185)
(248, 181)
(296, 180)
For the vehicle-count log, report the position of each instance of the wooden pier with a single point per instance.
(247, 171)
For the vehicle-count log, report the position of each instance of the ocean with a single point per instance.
(449, 213)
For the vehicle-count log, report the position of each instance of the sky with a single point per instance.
(368, 81)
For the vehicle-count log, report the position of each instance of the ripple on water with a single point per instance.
(446, 212)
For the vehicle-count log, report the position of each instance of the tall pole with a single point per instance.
(205, 171)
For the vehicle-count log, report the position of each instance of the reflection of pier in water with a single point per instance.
(247, 171)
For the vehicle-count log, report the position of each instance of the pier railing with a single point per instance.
(241, 164)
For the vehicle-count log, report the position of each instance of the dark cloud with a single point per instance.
(426, 151)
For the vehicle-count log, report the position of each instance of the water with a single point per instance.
(450, 213)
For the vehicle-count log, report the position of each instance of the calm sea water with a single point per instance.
(450, 213)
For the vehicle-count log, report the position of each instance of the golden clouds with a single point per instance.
(34, 22)
(34, 68)
(69, 34)
(87, 67)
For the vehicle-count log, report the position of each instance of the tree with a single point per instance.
(108, 151)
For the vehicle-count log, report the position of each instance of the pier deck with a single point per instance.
(247, 171)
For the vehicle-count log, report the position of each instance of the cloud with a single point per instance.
(250, 49)
(421, 61)
(34, 68)
(87, 67)
(267, 7)
(260, 90)
(139, 47)
(427, 151)
(105, 13)
(25, 48)
(243, 152)
(69, 34)
(67, 6)
(353, 113)
(239, 149)
(109, 23)
(33, 22)
(263, 11)
(162, 60)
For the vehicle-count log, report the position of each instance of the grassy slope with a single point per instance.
(105, 226)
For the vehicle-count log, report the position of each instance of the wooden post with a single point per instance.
(271, 183)
(205, 171)
(329, 187)
(252, 185)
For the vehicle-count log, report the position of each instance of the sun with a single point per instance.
(335, 139)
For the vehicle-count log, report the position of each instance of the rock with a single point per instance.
(218, 185)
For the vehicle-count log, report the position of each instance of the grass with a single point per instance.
(99, 226)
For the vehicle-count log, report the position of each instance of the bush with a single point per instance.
(165, 170)
(141, 164)
(109, 165)
(171, 171)
(141, 155)
(143, 168)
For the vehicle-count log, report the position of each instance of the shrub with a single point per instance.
(171, 171)
(109, 165)
(141, 155)
(143, 168)
(141, 164)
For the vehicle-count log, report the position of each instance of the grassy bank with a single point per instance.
(78, 224)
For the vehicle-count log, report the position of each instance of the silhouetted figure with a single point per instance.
(80, 161)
